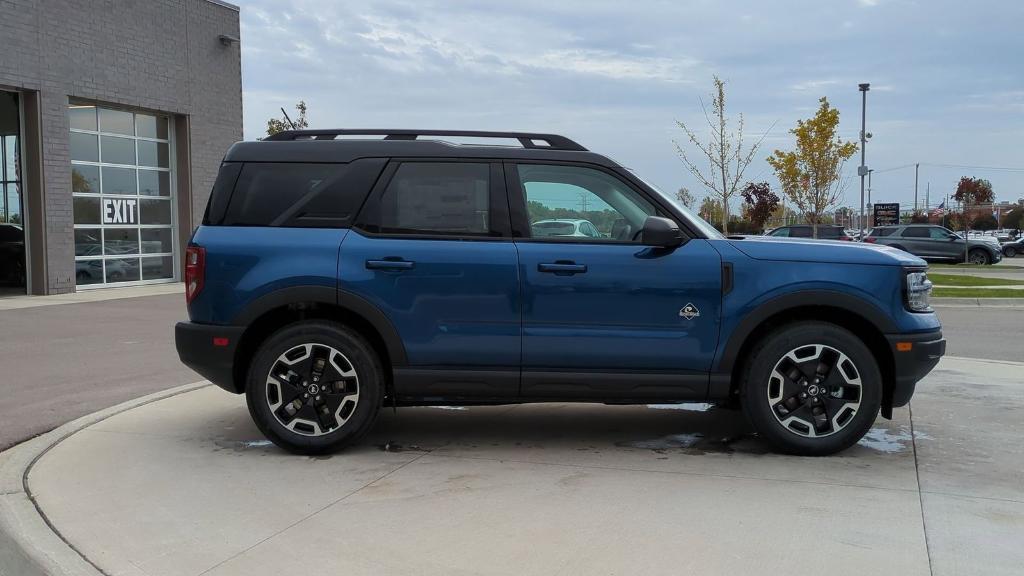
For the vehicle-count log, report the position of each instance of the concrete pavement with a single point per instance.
(186, 485)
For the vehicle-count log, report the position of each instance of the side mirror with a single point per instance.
(661, 232)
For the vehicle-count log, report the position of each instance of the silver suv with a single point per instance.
(933, 242)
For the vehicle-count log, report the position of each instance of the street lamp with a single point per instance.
(862, 170)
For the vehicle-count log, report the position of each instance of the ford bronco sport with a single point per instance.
(333, 276)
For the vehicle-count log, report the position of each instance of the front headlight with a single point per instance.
(919, 292)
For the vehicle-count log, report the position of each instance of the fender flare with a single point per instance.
(353, 303)
(870, 312)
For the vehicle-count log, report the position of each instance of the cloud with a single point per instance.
(615, 76)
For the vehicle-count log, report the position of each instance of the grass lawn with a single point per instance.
(936, 266)
(977, 293)
(956, 280)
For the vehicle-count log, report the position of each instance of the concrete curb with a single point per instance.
(29, 544)
(982, 302)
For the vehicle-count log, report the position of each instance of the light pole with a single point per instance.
(862, 170)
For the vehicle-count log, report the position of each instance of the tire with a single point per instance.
(309, 414)
(979, 256)
(847, 417)
(1010, 252)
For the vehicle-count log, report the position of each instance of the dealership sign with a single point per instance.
(887, 214)
(117, 211)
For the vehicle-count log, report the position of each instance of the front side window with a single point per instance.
(448, 198)
(939, 233)
(916, 232)
(801, 232)
(581, 203)
(781, 232)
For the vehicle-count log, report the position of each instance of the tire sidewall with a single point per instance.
(360, 355)
(754, 392)
(985, 258)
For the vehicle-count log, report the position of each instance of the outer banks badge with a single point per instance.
(689, 311)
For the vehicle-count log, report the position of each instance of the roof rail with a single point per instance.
(527, 139)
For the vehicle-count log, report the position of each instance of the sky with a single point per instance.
(947, 77)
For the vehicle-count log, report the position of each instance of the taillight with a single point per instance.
(195, 271)
(870, 239)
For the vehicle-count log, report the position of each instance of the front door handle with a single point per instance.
(562, 267)
(390, 264)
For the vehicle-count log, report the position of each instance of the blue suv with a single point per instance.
(334, 275)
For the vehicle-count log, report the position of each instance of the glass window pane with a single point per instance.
(117, 150)
(10, 159)
(447, 198)
(88, 272)
(151, 126)
(153, 183)
(87, 210)
(119, 181)
(120, 241)
(160, 267)
(153, 154)
(82, 117)
(122, 269)
(85, 179)
(116, 121)
(84, 147)
(156, 240)
(87, 242)
(155, 211)
(563, 201)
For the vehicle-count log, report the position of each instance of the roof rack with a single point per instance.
(527, 139)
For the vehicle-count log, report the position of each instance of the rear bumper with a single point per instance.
(911, 365)
(209, 349)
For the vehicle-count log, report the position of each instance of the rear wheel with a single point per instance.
(812, 388)
(314, 387)
(978, 256)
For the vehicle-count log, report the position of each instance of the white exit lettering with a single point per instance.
(118, 211)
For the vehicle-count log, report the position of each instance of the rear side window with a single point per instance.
(451, 198)
(296, 194)
(879, 232)
(918, 232)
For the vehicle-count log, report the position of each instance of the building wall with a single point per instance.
(158, 55)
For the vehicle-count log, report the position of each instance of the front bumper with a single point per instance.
(209, 349)
(914, 356)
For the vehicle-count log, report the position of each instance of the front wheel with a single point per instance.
(978, 256)
(1010, 252)
(812, 389)
(314, 387)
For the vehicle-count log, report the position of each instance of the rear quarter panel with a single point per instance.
(245, 263)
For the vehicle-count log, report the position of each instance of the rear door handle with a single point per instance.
(566, 267)
(390, 264)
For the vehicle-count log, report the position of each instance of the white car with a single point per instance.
(565, 227)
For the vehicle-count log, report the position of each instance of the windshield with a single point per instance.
(694, 220)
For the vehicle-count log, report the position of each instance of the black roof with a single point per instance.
(331, 146)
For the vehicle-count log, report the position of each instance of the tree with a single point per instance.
(685, 198)
(760, 202)
(810, 174)
(726, 157)
(275, 125)
(984, 222)
(711, 210)
(973, 191)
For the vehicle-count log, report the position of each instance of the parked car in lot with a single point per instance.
(564, 227)
(12, 254)
(1012, 249)
(334, 276)
(932, 242)
(825, 232)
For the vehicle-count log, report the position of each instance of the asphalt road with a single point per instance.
(62, 362)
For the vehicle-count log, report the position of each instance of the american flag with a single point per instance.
(940, 209)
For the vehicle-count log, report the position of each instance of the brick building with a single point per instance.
(114, 115)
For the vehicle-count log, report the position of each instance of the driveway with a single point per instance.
(187, 486)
